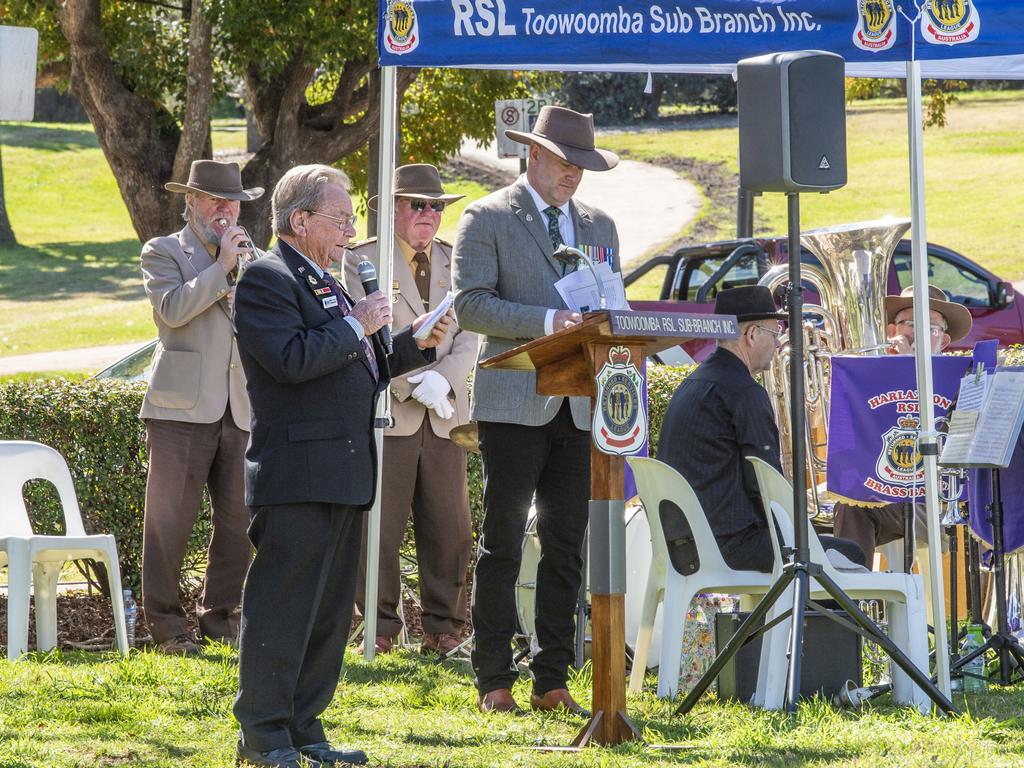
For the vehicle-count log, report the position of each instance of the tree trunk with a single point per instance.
(6, 233)
(195, 142)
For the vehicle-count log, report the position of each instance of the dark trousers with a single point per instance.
(296, 613)
(553, 462)
(424, 475)
(872, 527)
(184, 457)
(751, 549)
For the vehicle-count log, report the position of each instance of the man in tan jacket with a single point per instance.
(424, 471)
(196, 410)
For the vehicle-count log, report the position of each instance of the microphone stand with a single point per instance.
(575, 257)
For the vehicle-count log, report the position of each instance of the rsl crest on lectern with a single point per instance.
(620, 413)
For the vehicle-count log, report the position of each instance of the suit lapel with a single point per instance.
(305, 274)
(582, 223)
(195, 251)
(535, 222)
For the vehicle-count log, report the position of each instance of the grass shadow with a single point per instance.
(48, 137)
(70, 269)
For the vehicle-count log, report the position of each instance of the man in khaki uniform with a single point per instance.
(424, 471)
(196, 410)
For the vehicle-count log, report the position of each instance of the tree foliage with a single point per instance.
(939, 94)
(147, 71)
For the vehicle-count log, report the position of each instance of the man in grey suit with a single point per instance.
(196, 410)
(532, 446)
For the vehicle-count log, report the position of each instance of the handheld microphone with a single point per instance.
(368, 277)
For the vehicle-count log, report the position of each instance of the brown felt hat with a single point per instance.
(215, 179)
(570, 135)
(957, 316)
(419, 181)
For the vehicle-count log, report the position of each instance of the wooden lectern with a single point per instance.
(599, 356)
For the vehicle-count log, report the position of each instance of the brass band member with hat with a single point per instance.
(532, 446)
(425, 470)
(872, 527)
(718, 417)
(196, 410)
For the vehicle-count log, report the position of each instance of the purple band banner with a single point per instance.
(874, 423)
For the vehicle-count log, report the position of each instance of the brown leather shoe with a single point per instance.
(441, 644)
(499, 700)
(557, 699)
(181, 645)
(381, 644)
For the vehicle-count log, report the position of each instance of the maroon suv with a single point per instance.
(693, 276)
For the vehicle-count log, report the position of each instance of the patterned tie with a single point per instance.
(423, 277)
(556, 237)
(345, 309)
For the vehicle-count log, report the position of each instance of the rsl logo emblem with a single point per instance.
(876, 25)
(620, 418)
(950, 22)
(900, 463)
(401, 30)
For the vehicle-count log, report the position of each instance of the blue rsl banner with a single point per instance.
(658, 36)
(873, 425)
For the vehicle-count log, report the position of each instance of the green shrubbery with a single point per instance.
(95, 426)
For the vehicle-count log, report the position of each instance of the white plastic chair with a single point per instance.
(903, 594)
(656, 481)
(37, 560)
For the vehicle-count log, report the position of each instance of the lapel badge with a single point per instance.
(396, 291)
(529, 217)
(312, 280)
(442, 283)
(301, 270)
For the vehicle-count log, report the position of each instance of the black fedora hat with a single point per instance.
(748, 302)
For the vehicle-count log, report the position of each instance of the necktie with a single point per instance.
(345, 309)
(556, 237)
(422, 277)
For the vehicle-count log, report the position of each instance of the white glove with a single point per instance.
(433, 392)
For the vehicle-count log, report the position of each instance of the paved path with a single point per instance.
(650, 205)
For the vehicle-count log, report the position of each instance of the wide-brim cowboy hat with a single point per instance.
(957, 316)
(419, 181)
(570, 135)
(747, 303)
(216, 179)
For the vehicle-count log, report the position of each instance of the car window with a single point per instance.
(960, 284)
(696, 272)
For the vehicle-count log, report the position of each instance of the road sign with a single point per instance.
(516, 115)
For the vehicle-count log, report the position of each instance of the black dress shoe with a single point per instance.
(325, 754)
(282, 757)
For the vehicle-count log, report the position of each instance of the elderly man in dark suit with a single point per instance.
(505, 274)
(315, 370)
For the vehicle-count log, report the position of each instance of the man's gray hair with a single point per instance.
(301, 189)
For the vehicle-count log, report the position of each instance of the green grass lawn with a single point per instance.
(77, 710)
(972, 167)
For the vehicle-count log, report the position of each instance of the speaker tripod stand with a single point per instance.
(799, 571)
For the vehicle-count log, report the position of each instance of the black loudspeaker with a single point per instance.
(832, 656)
(792, 118)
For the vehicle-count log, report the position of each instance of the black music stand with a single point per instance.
(800, 569)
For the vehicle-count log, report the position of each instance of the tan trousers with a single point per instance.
(423, 475)
(183, 458)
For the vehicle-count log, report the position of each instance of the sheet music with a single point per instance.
(957, 448)
(579, 291)
(973, 391)
(1000, 420)
(443, 306)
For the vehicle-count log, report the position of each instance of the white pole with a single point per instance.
(924, 368)
(386, 247)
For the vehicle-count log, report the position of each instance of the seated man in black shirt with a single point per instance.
(718, 417)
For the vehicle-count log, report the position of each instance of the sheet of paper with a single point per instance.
(1000, 421)
(973, 390)
(443, 306)
(579, 291)
(957, 448)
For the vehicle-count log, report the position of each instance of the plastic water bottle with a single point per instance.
(975, 679)
(131, 614)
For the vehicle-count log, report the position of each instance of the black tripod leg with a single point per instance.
(887, 645)
(745, 630)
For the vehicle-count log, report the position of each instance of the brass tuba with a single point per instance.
(851, 284)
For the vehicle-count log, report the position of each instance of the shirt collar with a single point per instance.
(539, 201)
(409, 253)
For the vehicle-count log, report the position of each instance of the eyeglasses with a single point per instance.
(420, 205)
(344, 222)
(778, 333)
(934, 330)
